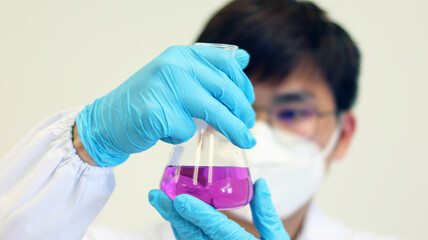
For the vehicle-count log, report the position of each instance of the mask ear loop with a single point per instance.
(334, 139)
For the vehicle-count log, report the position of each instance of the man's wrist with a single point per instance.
(80, 149)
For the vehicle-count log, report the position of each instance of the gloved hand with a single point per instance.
(191, 218)
(159, 101)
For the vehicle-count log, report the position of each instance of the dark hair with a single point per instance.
(282, 34)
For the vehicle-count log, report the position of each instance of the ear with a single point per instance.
(348, 125)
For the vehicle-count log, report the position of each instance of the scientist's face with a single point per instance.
(303, 103)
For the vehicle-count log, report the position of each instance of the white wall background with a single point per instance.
(60, 54)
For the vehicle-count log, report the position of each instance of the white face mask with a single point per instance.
(293, 167)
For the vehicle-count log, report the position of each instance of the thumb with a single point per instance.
(264, 214)
(242, 57)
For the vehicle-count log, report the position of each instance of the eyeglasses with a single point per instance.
(295, 113)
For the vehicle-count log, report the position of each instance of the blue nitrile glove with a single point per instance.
(191, 218)
(159, 101)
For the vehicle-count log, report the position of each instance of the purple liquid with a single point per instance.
(220, 187)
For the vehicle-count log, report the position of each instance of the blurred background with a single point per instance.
(56, 55)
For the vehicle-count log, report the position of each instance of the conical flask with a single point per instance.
(210, 168)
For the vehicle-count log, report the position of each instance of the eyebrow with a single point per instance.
(300, 96)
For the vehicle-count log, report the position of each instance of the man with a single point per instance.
(304, 71)
(301, 82)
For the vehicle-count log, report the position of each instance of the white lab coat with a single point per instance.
(48, 192)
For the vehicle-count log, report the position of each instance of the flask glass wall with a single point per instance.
(210, 168)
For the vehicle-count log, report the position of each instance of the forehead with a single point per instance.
(306, 82)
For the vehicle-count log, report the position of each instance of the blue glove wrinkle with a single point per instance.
(127, 139)
(90, 143)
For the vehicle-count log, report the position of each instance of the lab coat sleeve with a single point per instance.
(46, 190)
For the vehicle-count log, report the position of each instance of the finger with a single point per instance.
(205, 107)
(225, 62)
(264, 214)
(221, 88)
(242, 57)
(212, 222)
(165, 206)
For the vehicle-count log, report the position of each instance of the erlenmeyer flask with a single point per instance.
(210, 168)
